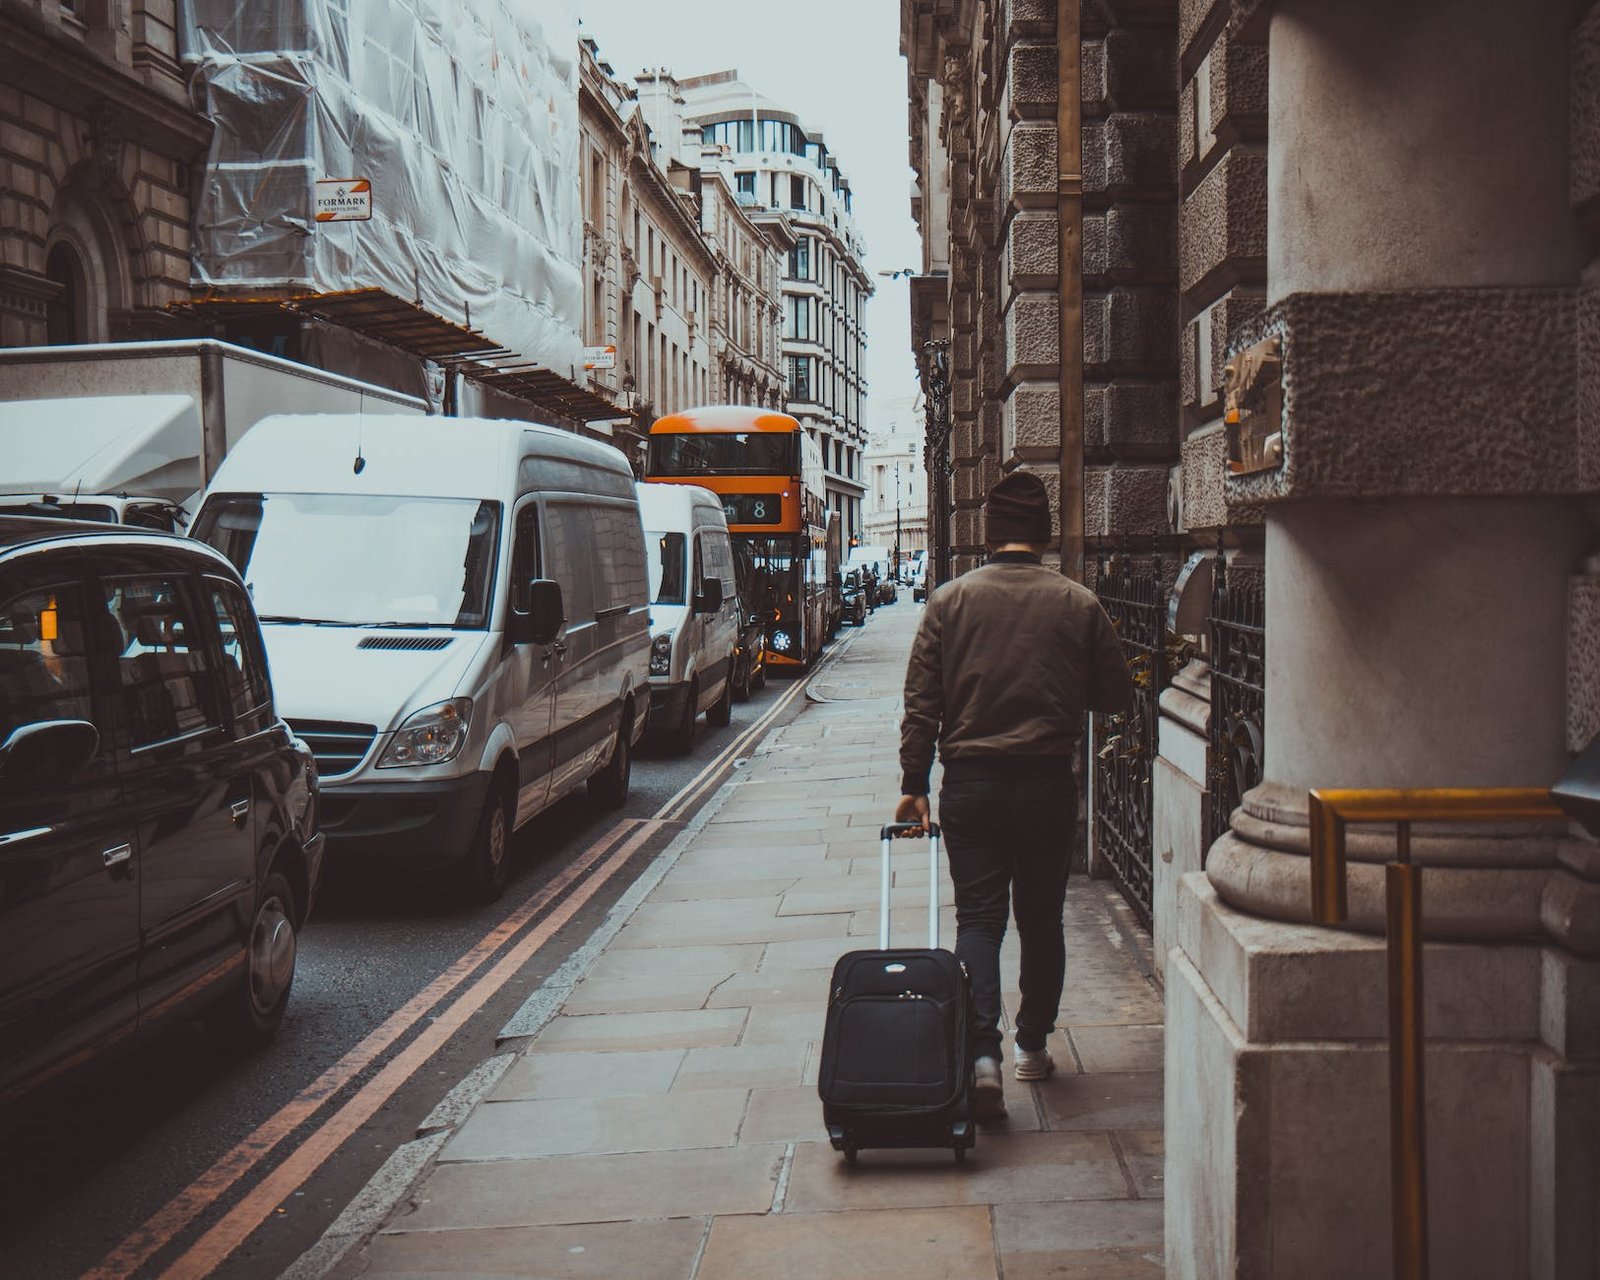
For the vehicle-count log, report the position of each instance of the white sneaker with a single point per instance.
(1034, 1064)
(991, 1089)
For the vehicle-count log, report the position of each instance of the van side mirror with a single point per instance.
(48, 746)
(709, 600)
(546, 613)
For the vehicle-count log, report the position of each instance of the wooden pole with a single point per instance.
(1069, 198)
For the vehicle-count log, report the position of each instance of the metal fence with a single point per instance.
(1123, 747)
(1238, 696)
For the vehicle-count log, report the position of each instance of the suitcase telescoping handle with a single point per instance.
(900, 830)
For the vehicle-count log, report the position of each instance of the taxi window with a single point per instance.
(244, 666)
(44, 660)
(166, 689)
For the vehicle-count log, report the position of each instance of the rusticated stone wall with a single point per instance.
(1130, 269)
(96, 139)
(1222, 237)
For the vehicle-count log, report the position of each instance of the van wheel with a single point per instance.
(609, 788)
(250, 1014)
(680, 742)
(758, 679)
(487, 865)
(746, 679)
(721, 711)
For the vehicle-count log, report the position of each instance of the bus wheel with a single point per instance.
(681, 740)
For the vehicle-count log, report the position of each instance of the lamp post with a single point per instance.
(897, 517)
(936, 390)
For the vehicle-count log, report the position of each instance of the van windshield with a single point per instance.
(665, 553)
(359, 559)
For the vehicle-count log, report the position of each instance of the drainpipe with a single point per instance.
(1069, 201)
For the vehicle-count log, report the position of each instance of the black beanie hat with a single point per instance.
(1017, 510)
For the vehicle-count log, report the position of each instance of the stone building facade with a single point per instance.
(650, 275)
(895, 509)
(751, 247)
(781, 169)
(96, 142)
(1338, 323)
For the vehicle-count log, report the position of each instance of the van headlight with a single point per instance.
(661, 655)
(430, 736)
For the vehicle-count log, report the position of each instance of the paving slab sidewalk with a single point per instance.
(665, 1122)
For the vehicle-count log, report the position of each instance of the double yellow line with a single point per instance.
(585, 876)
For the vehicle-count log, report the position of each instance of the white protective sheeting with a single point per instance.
(144, 445)
(463, 114)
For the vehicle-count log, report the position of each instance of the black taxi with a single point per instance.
(158, 841)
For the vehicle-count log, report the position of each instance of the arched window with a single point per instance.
(66, 317)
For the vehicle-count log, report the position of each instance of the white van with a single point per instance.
(456, 618)
(878, 559)
(694, 609)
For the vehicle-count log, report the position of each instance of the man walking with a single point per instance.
(1007, 660)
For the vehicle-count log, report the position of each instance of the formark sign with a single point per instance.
(344, 199)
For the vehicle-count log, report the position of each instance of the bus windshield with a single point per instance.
(730, 453)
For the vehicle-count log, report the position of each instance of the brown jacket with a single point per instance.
(1007, 660)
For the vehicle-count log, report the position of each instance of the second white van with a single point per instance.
(694, 610)
(455, 615)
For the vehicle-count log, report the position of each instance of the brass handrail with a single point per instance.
(1331, 810)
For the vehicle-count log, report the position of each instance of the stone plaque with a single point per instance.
(1253, 389)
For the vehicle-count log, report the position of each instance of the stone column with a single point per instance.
(1423, 262)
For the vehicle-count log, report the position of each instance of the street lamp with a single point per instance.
(897, 516)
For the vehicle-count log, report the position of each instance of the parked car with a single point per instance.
(750, 653)
(919, 581)
(694, 610)
(854, 592)
(159, 849)
(457, 617)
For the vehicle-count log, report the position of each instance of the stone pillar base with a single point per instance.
(1277, 1116)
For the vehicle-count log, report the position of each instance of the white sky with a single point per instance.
(836, 64)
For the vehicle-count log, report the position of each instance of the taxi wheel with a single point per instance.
(250, 1014)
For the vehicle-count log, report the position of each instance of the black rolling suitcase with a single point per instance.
(896, 1067)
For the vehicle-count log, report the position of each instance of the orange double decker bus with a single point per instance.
(769, 475)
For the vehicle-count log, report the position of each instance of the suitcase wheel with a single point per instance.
(849, 1155)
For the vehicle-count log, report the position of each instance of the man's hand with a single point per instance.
(913, 809)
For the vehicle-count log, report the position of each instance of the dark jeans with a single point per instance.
(1010, 838)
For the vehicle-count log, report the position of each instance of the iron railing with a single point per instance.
(1238, 697)
(1123, 747)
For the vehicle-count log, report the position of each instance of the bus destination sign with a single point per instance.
(752, 508)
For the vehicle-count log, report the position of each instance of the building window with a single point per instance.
(797, 318)
(779, 135)
(800, 259)
(800, 377)
(737, 134)
(797, 191)
(745, 181)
